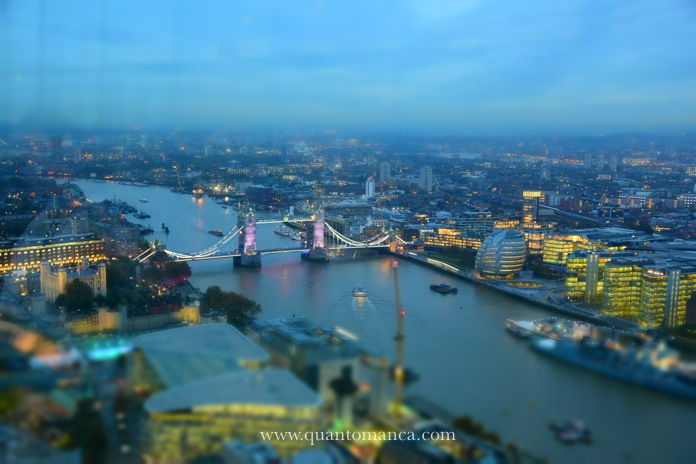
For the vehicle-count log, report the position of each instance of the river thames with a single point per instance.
(467, 362)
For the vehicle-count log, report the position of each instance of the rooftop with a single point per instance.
(262, 387)
(187, 353)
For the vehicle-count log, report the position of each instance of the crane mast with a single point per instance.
(399, 370)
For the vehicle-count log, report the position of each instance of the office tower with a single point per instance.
(57, 147)
(426, 179)
(588, 160)
(530, 206)
(370, 188)
(384, 171)
(613, 163)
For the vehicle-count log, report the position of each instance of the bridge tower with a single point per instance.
(393, 245)
(246, 220)
(315, 234)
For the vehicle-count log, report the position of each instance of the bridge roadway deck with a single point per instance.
(232, 254)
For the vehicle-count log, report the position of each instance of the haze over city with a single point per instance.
(440, 67)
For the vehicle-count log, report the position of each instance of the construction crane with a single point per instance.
(399, 369)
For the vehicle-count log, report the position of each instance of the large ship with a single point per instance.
(550, 327)
(651, 365)
(284, 231)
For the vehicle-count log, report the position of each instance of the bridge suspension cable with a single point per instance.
(209, 251)
(348, 241)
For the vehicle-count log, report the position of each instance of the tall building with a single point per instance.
(384, 171)
(622, 287)
(530, 206)
(57, 147)
(585, 274)
(62, 250)
(425, 181)
(370, 188)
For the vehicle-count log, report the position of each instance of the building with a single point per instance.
(622, 287)
(534, 234)
(370, 188)
(193, 420)
(57, 147)
(53, 281)
(61, 250)
(425, 181)
(530, 206)
(502, 254)
(585, 274)
(445, 237)
(557, 246)
(207, 385)
(384, 171)
(320, 356)
(665, 291)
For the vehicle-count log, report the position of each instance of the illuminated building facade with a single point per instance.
(534, 234)
(502, 254)
(585, 274)
(443, 238)
(665, 291)
(530, 206)
(62, 250)
(53, 282)
(557, 246)
(209, 384)
(622, 287)
(425, 181)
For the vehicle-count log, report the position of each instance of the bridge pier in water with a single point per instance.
(315, 237)
(250, 257)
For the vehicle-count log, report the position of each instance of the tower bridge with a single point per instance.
(321, 239)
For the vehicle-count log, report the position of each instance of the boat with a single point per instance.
(217, 233)
(295, 236)
(143, 200)
(572, 431)
(443, 288)
(284, 231)
(224, 207)
(651, 365)
(550, 327)
(359, 291)
(141, 215)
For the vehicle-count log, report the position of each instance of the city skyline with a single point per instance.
(448, 67)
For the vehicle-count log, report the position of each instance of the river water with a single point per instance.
(467, 363)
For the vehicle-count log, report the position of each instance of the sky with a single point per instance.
(446, 66)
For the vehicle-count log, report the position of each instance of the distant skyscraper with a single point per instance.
(545, 173)
(384, 171)
(57, 147)
(426, 179)
(600, 162)
(370, 188)
(588, 160)
(613, 163)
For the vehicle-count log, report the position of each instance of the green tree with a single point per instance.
(239, 309)
(177, 271)
(77, 297)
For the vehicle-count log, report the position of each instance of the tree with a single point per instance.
(177, 271)
(77, 297)
(239, 309)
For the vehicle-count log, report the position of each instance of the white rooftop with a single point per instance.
(261, 387)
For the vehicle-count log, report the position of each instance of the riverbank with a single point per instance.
(542, 297)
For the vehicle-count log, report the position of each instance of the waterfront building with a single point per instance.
(664, 293)
(443, 237)
(502, 254)
(192, 420)
(622, 287)
(209, 384)
(54, 280)
(319, 356)
(29, 253)
(585, 274)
